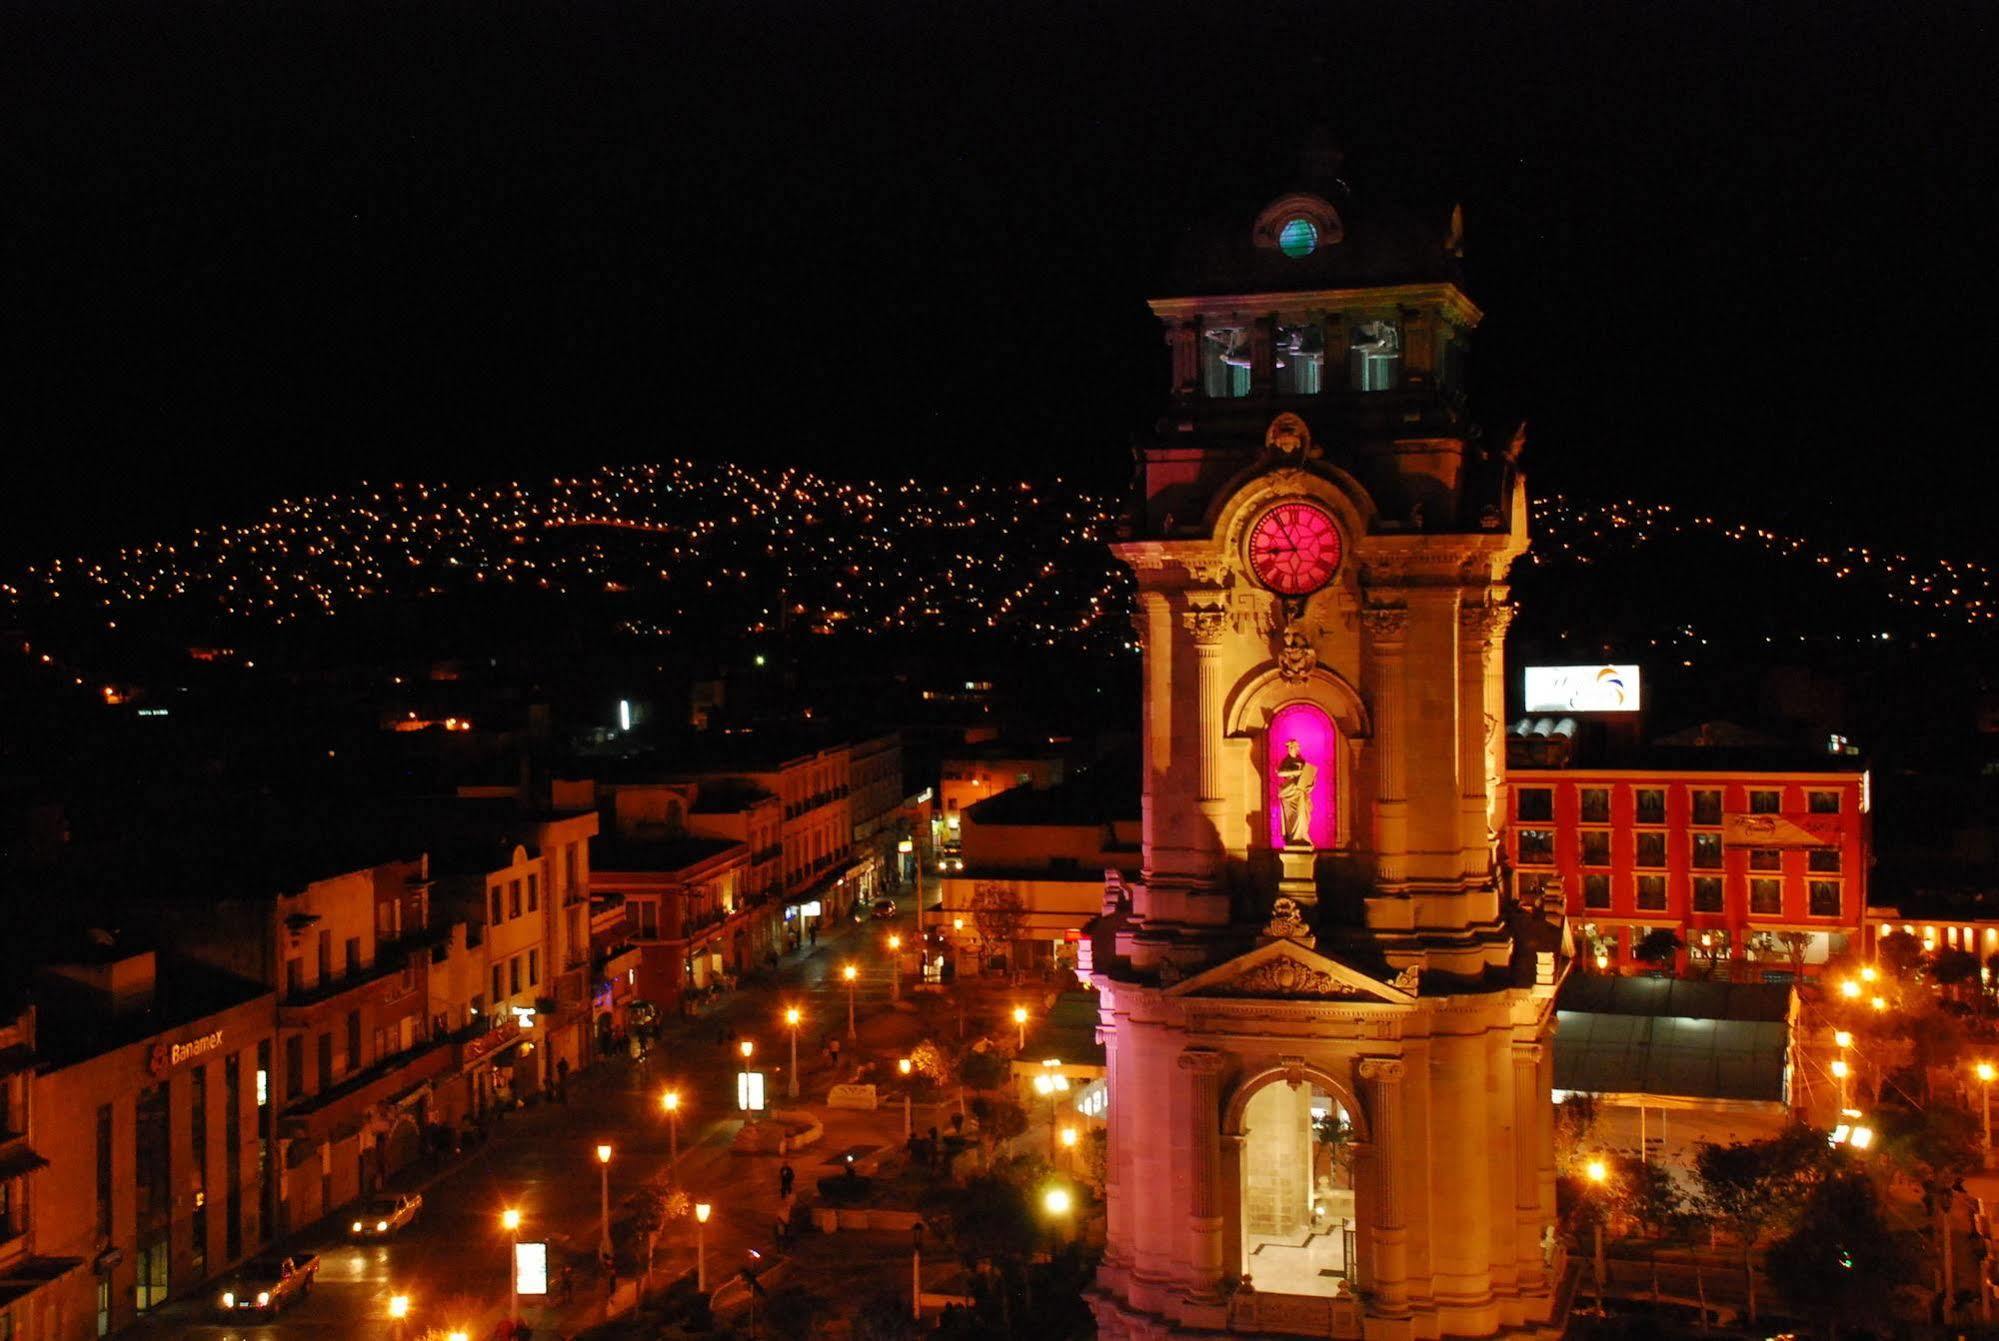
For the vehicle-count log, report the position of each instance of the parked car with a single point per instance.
(267, 1285)
(882, 909)
(382, 1217)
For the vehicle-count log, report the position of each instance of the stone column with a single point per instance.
(1207, 624)
(1203, 1069)
(1387, 627)
(1381, 1088)
(1153, 623)
(1527, 1166)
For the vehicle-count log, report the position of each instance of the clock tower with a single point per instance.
(1328, 1028)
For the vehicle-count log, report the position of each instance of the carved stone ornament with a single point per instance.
(1288, 436)
(1381, 1070)
(1202, 1061)
(1287, 977)
(1286, 925)
(1409, 980)
(1384, 621)
(1209, 572)
(1295, 658)
(1487, 622)
(1207, 626)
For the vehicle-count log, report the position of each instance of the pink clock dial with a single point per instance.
(1294, 549)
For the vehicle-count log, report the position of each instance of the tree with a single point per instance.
(1843, 1260)
(998, 914)
(1795, 945)
(1748, 1187)
(983, 1070)
(1900, 953)
(1575, 1126)
(1951, 967)
(1000, 1119)
(1645, 1193)
(1659, 947)
(884, 1316)
(1935, 1147)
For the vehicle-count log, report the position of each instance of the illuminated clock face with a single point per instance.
(1294, 549)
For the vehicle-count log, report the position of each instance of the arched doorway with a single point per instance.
(1297, 1223)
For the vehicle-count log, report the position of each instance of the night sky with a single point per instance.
(1733, 256)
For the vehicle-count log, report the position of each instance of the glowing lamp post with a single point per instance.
(1068, 1139)
(702, 1210)
(908, 1124)
(1986, 1074)
(792, 1017)
(510, 1220)
(1598, 1174)
(604, 1202)
(895, 968)
(670, 1101)
(1057, 1202)
(852, 976)
(1850, 990)
(1020, 1028)
(916, 1271)
(1049, 1084)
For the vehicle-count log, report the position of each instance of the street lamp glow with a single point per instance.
(957, 924)
(1069, 1136)
(792, 1016)
(670, 1101)
(603, 1154)
(460, 1335)
(1020, 1015)
(399, 1306)
(903, 1066)
(702, 1210)
(1056, 1201)
(1840, 1068)
(1868, 973)
(1986, 1073)
(1849, 989)
(1861, 1137)
(1596, 1170)
(849, 972)
(1842, 1038)
(1879, 1003)
(747, 1048)
(510, 1220)
(895, 942)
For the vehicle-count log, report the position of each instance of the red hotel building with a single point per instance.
(1762, 872)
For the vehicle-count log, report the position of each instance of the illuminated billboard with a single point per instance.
(531, 1268)
(1582, 689)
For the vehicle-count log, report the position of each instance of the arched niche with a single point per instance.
(1253, 717)
(1243, 499)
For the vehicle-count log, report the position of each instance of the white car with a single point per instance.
(381, 1217)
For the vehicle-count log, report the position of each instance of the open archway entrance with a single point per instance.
(1298, 1230)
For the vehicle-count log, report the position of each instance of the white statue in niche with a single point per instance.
(1297, 776)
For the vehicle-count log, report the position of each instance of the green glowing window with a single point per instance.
(1298, 238)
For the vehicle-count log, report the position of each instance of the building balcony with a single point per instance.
(384, 978)
(318, 1116)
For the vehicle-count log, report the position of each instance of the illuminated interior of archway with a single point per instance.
(1297, 1191)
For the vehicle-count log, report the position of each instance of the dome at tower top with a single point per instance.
(1319, 234)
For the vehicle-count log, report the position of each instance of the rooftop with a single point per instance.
(663, 855)
(183, 992)
(1103, 793)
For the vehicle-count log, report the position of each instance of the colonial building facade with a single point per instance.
(1327, 1024)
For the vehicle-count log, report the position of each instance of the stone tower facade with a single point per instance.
(1328, 1033)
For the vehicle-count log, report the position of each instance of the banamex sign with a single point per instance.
(167, 1056)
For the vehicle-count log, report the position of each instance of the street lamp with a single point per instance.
(1049, 1084)
(852, 976)
(916, 1271)
(748, 1048)
(1986, 1073)
(1598, 1174)
(1020, 1028)
(670, 1101)
(1850, 990)
(908, 1125)
(894, 967)
(604, 1190)
(510, 1220)
(1841, 1071)
(791, 1017)
(1057, 1203)
(702, 1210)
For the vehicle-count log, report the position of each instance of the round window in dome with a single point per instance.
(1298, 238)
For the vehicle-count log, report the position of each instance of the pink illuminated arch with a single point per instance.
(1318, 740)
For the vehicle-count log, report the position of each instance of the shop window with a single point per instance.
(1823, 859)
(1822, 803)
(1823, 898)
(1225, 362)
(1707, 806)
(1374, 355)
(1652, 893)
(1536, 847)
(1649, 805)
(1596, 847)
(1707, 851)
(1707, 893)
(1596, 805)
(1651, 849)
(1763, 802)
(1766, 897)
(1765, 859)
(1596, 891)
(1300, 370)
(1537, 804)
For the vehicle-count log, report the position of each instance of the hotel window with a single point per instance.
(1225, 362)
(499, 911)
(1822, 898)
(1707, 851)
(1596, 891)
(1537, 847)
(1651, 849)
(1822, 803)
(1707, 893)
(1374, 355)
(534, 891)
(1763, 802)
(1649, 805)
(1537, 804)
(1596, 805)
(1766, 897)
(1824, 859)
(1300, 370)
(513, 898)
(1596, 847)
(1765, 859)
(1652, 893)
(1707, 806)
(534, 968)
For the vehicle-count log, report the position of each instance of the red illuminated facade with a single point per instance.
(1760, 873)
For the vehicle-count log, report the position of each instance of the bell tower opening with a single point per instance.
(1298, 1223)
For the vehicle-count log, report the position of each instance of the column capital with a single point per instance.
(1488, 620)
(1385, 623)
(1526, 1054)
(1202, 1061)
(1381, 1070)
(1207, 625)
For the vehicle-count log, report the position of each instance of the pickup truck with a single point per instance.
(382, 1217)
(267, 1285)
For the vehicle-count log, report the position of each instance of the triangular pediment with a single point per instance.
(1286, 970)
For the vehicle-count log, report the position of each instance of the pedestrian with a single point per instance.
(562, 1080)
(813, 932)
(836, 1052)
(566, 1282)
(785, 1177)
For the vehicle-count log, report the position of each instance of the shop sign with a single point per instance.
(166, 1056)
(1780, 830)
(503, 1032)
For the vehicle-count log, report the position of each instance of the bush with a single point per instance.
(984, 1070)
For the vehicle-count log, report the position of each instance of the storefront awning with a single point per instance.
(18, 1159)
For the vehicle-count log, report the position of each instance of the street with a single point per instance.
(451, 1262)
